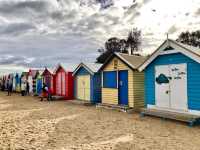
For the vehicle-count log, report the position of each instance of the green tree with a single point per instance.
(134, 40)
(190, 38)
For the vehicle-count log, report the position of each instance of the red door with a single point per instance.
(63, 84)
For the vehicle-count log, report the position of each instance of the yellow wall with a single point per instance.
(135, 86)
(138, 80)
(110, 95)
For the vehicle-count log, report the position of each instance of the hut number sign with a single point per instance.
(115, 64)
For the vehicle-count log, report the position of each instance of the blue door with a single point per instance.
(39, 86)
(123, 87)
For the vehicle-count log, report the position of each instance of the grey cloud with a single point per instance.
(146, 1)
(172, 29)
(12, 59)
(16, 28)
(197, 13)
(22, 6)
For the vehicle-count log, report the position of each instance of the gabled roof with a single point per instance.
(33, 71)
(90, 67)
(133, 61)
(51, 70)
(190, 51)
(66, 67)
(24, 74)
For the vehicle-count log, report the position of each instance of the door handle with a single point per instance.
(167, 92)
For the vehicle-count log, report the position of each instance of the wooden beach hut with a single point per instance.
(32, 81)
(172, 80)
(87, 82)
(122, 83)
(64, 82)
(18, 82)
(38, 82)
(48, 79)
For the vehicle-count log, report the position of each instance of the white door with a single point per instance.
(178, 86)
(171, 86)
(162, 86)
(30, 81)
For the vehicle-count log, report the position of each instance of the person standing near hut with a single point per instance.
(27, 88)
(44, 92)
(23, 88)
(48, 91)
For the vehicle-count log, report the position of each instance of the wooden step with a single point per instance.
(56, 97)
(183, 117)
(81, 102)
(121, 108)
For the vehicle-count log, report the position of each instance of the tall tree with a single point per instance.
(113, 44)
(134, 40)
(123, 46)
(190, 38)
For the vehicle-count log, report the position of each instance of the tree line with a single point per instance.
(114, 44)
(132, 43)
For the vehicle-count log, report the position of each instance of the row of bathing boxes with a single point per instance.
(166, 82)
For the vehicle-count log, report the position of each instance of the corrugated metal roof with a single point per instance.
(133, 60)
(68, 66)
(90, 67)
(94, 67)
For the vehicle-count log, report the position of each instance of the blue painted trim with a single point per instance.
(95, 84)
(193, 78)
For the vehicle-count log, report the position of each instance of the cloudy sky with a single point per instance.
(37, 33)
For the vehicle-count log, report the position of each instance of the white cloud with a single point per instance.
(45, 32)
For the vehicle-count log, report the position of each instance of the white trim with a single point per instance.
(150, 59)
(186, 52)
(151, 106)
(82, 65)
(169, 52)
(177, 47)
(194, 112)
(189, 111)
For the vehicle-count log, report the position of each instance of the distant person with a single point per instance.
(3, 85)
(44, 92)
(23, 88)
(48, 91)
(9, 86)
(27, 88)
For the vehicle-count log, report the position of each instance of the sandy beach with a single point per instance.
(26, 123)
